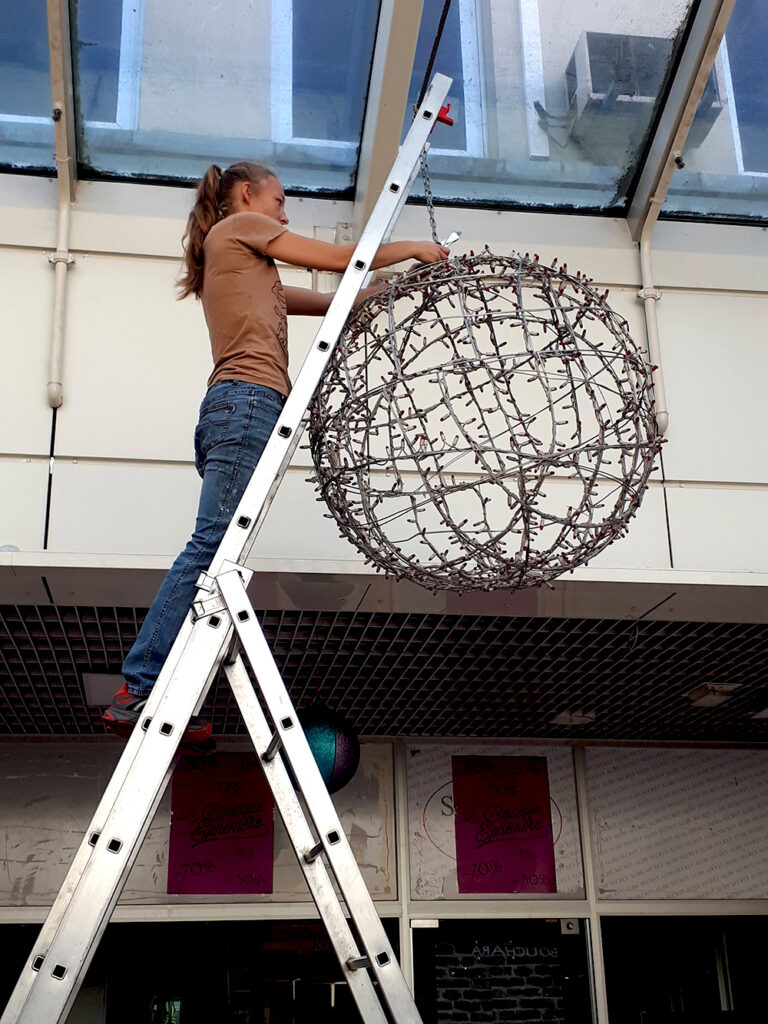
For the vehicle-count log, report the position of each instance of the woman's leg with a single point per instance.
(236, 420)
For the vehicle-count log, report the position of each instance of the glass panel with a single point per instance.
(726, 154)
(450, 63)
(677, 970)
(502, 971)
(100, 28)
(330, 81)
(165, 87)
(236, 972)
(555, 99)
(26, 128)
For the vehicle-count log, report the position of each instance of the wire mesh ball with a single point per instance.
(484, 423)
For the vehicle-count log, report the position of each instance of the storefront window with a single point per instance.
(692, 970)
(218, 972)
(503, 972)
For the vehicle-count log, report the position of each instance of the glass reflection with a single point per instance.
(726, 170)
(26, 128)
(164, 88)
(565, 96)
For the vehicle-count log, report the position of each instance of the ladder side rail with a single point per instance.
(46, 992)
(303, 841)
(336, 848)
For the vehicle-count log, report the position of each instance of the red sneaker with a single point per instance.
(126, 709)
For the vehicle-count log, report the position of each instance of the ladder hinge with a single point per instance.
(205, 582)
(207, 607)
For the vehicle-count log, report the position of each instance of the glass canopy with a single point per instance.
(165, 88)
(555, 101)
(726, 169)
(26, 128)
(557, 98)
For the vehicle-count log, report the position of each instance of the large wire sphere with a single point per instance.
(484, 423)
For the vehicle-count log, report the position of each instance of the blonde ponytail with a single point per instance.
(211, 199)
(204, 214)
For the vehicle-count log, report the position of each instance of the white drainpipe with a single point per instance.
(64, 126)
(650, 297)
(62, 261)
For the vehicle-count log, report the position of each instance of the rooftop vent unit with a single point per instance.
(612, 83)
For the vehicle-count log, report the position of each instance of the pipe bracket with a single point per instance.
(61, 257)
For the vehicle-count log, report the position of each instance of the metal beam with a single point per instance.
(698, 56)
(63, 112)
(393, 54)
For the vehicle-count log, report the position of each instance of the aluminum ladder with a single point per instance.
(222, 628)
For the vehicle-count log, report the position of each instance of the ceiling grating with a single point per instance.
(424, 674)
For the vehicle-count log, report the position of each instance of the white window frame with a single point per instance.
(128, 75)
(734, 116)
(533, 78)
(282, 82)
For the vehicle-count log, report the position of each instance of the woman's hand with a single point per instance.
(430, 252)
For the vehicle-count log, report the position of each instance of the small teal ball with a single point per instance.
(333, 742)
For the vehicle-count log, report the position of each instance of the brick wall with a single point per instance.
(497, 983)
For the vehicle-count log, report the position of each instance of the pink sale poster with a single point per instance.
(222, 827)
(503, 825)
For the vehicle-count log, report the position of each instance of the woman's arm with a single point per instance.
(316, 255)
(305, 302)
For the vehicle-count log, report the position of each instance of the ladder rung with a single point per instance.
(357, 963)
(276, 742)
(274, 745)
(314, 853)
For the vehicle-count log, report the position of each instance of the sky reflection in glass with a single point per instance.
(26, 128)
(164, 89)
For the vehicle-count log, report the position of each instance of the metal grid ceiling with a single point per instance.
(423, 675)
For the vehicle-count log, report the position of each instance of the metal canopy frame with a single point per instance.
(387, 99)
(694, 65)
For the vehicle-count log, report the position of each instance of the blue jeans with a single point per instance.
(235, 422)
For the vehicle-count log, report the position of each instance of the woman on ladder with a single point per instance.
(236, 232)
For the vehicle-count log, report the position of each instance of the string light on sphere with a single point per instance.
(484, 423)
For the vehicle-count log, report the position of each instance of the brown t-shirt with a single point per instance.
(244, 303)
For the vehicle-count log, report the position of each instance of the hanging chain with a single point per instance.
(428, 195)
(424, 84)
(433, 54)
